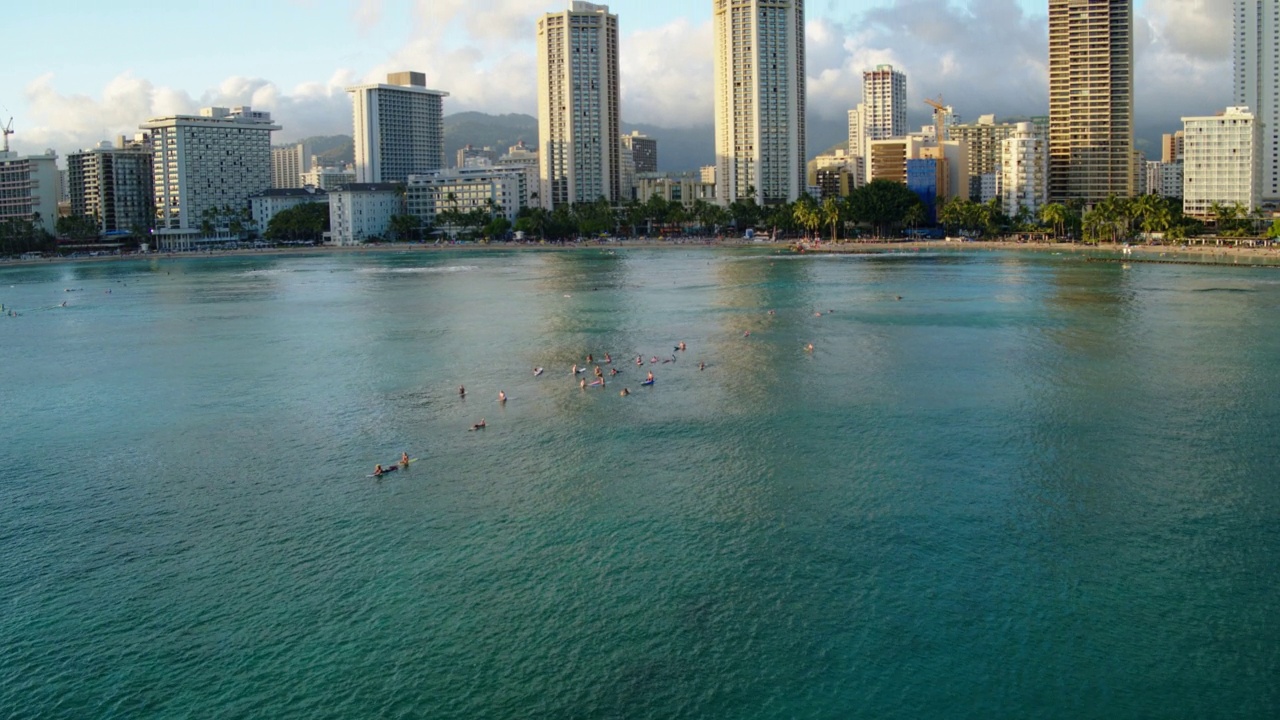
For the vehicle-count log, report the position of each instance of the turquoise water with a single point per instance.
(1031, 487)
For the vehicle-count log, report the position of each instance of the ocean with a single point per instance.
(999, 485)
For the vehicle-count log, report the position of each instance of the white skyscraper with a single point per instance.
(1257, 81)
(579, 122)
(205, 164)
(760, 100)
(1024, 169)
(399, 128)
(884, 103)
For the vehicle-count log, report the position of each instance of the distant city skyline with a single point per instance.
(294, 57)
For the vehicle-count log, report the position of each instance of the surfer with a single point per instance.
(599, 373)
(377, 470)
(582, 383)
(809, 348)
(590, 359)
(404, 459)
(702, 366)
(613, 372)
(537, 371)
(462, 391)
(625, 392)
(639, 360)
(682, 347)
(650, 377)
(480, 425)
(608, 360)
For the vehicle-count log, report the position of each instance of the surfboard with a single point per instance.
(647, 382)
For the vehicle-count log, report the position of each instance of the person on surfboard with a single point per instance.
(404, 459)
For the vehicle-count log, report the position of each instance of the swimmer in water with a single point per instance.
(625, 392)
(462, 391)
(682, 347)
(809, 347)
(502, 396)
(607, 359)
(590, 359)
(639, 360)
(702, 366)
(480, 425)
(613, 372)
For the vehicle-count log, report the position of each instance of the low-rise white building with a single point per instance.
(30, 188)
(328, 178)
(361, 212)
(1221, 161)
(269, 203)
(1024, 170)
(684, 190)
(498, 191)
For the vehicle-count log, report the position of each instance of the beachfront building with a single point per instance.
(1222, 162)
(29, 188)
(681, 189)
(204, 166)
(288, 165)
(844, 169)
(267, 204)
(579, 120)
(1024, 170)
(497, 192)
(399, 128)
(1164, 179)
(112, 185)
(760, 100)
(1090, 100)
(328, 178)
(1257, 82)
(362, 212)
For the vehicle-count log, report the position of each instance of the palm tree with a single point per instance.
(831, 214)
(1055, 215)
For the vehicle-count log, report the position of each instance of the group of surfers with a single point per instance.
(379, 470)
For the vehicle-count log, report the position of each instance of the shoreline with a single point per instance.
(1172, 254)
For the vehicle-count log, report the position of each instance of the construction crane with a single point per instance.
(8, 130)
(940, 113)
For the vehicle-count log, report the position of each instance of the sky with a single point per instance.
(72, 80)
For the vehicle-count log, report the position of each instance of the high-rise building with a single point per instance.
(399, 128)
(884, 98)
(470, 156)
(983, 139)
(1257, 81)
(288, 165)
(760, 100)
(204, 164)
(1222, 162)
(1164, 179)
(644, 151)
(579, 120)
(857, 132)
(112, 185)
(29, 188)
(1171, 147)
(328, 178)
(1090, 99)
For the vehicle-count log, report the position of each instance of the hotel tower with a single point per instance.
(1090, 100)
(579, 123)
(1257, 81)
(399, 128)
(759, 100)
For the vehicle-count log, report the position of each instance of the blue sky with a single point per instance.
(70, 88)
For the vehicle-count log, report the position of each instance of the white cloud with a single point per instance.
(982, 56)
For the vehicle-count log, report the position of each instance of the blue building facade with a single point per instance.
(922, 179)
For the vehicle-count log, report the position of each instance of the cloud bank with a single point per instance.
(982, 56)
